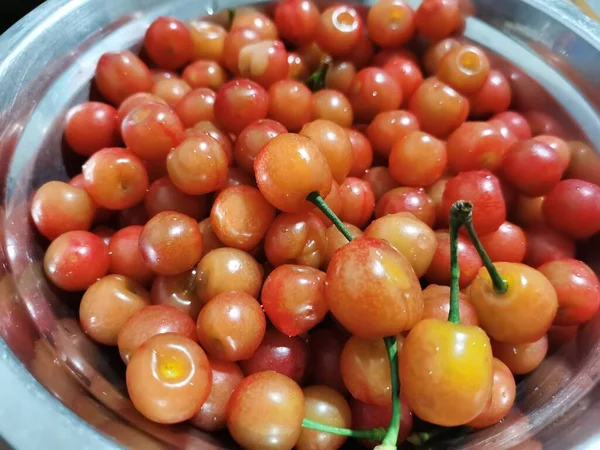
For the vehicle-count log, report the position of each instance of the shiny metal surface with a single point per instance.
(47, 62)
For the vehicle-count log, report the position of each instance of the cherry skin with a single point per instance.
(515, 122)
(209, 40)
(389, 127)
(372, 91)
(436, 52)
(410, 236)
(298, 69)
(288, 168)
(126, 258)
(91, 126)
(577, 289)
(204, 74)
(357, 201)
(559, 145)
(418, 159)
(438, 19)
(476, 146)
(252, 139)
(507, 243)
(196, 106)
(482, 189)
(108, 304)
(169, 43)
(504, 392)
(367, 301)
(544, 245)
(171, 243)
(266, 411)
(235, 41)
(292, 297)
(339, 76)
(231, 326)
(264, 62)
(381, 181)
(411, 200)
(226, 376)
(236, 177)
(436, 193)
(439, 109)
(573, 208)
(390, 23)
(206, 128)
(210, 240)
(296, 239)
(336, 240)
(163, 195)
(523, 313)
(521, 358)
(171, 90)
(362, 153)
(239, 103)
(436, 301)
(119, 75)
(446, 372)
(366, 417)
(178, 291)
(493, 97)
(225, 270)
(584, 162)
(58, 207)
(469, 261)
(339, 30)
(133, 101)
(75, 260)
(532, 167)
(365, 369)
(290, 92)
(115, 178)
(241, 216)
(169, 378)
(332, 105)
(326, 345)
(406, 72)
(464, 68)
(297, 20)
(280, 353)
(150, 321)
(255, 20)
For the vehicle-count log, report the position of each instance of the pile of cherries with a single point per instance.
(204, 225)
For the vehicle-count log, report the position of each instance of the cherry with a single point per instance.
(411, 200)
(577, 289)
(336, 240)
(209, 40)
(290, 167)
(411, 237)
(225, 270)
(290, 92)
(119, 75)
(367, 301)
(236, 177)
(204, 74)
(381, 181)
(231, 326)
(436, 193)
(151, 321)
(584, 162)
(178, 291)
(389, 127)
(484, 191)
(115, 178)
(235, 41)
(206, 128)
(476, 146)
(91, 126)
(502, 399)
(559, 145)
(168, 378)
(439, 109)
(266, 411)
(527, 211)
(252, 139)
(418, 159)
(362, 54)
(58, 207)
(573, 207)
(255, 20)
(515, 122)
(391, 23)
(132, 102)
(296, 238)
(465, 68)
(169, 43)
(280, 353)
(226, 376)
(357, 200)
(239, 103)
(241, 216)
(544, 245)
(332, 105)
(438, 19)
(160, 74)
(163, 195)
(108, 304)
(372, 91)
(292, 297)
(171, 90)
(75, 260)
(210, 240)
(339, 30)
(339, 76)
(196, 106)
(521, 358)
(126, 258)
(298, 70)
(171, 243)
(326, 347)
(436, 52)
(405, 71)
(436, 302)
(493, 97)
(297, 20)
(198, 166)
(362, 153)
(264, 62)
(507, 243)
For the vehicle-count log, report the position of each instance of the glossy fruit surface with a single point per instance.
(476, 146)
(239, 103)
(418, 159)
(406, 199)
(339, 30)
(178, 291)
(119, 75)
(436, 305)
(521, 358)
(507, 243)
(126, 258)
(91, 126)
(438, 19)
(357, 201)
(390, 23)
(336, 240)
(464, 68)
(389, 127)
(252, 139)
(169, 43)
(372, 91)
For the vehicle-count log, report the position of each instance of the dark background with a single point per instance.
(14, 10)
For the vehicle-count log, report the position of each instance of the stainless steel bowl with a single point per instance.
(550, 51)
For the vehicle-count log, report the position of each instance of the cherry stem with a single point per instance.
(316, 199)
(316, 81)
(419, 438)
(231, 12)
(374, 434)
(458, 215)
(499, 283)
(391, 437)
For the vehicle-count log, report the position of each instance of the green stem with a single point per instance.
(458, 215)
(391, 437)
(316, 199)
(499, 283)
(316, 81)
(374, 434)
(231, 12)
(419, 438)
